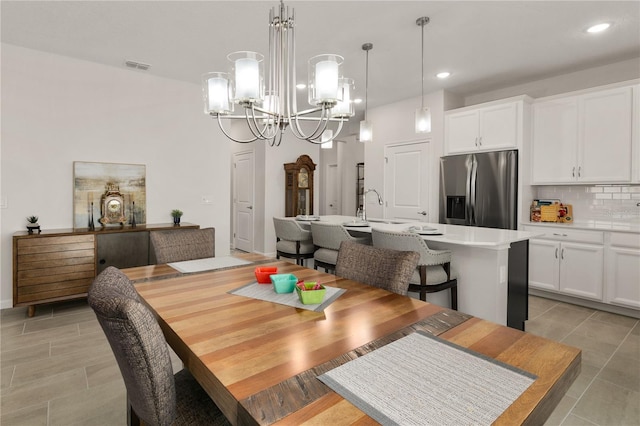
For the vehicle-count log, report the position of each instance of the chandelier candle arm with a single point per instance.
(269, 102)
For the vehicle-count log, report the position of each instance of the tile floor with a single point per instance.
(57, 367)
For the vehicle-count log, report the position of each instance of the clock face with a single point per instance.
(113, 206)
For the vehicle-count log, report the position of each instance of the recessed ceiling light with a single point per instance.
(598, 27)
(301, 86)
(357, 101)
(443, 74)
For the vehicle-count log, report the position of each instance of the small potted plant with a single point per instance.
(176, 214)
(32, 223)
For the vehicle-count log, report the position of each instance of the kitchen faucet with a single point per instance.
(364, 202)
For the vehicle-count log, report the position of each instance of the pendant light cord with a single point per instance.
(366, 47)
(422, 21)
(366, 88)
(422, 47)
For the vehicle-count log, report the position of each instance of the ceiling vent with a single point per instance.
(137, 65)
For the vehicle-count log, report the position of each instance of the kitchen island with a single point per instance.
(492, 265)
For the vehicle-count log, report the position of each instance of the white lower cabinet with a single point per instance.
(568, 262)
(623, 270)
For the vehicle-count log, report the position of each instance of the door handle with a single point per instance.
(573, 172)
(562, 254)
(480, 141)
(250, 207)
(476, 141)
(580, 171)
(556, 252)
(423, 213)
(330, 205)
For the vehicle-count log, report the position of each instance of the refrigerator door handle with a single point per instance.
(472, 193)
(467, 204)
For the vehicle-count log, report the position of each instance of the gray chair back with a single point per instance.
(330, 235)
(182, 244)
(138, 345)
(384, 268)
(290, 230)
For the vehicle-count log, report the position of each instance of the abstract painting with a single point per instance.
(93, 182)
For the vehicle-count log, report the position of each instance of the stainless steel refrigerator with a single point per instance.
(480, 189)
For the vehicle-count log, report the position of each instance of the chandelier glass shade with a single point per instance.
(269, 102)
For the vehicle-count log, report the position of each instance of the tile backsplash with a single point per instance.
(616, 203)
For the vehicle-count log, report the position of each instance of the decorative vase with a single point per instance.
(176, 221)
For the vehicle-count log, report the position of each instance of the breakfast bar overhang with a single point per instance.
(492, 265)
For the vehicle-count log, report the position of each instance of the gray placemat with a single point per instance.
(265, 292)
(208, 264)
(424, 380)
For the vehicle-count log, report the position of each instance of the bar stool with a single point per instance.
(433, 273)
(292, 241)
(327, 238)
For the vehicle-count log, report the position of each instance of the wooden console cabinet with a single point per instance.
(60, 264)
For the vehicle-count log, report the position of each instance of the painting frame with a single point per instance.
(92, 181)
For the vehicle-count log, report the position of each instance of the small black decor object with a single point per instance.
(92, 226)
(32, 224)
(133, 214)
(176, 214)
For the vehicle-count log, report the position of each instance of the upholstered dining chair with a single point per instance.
(326, 239)
(377, 267)
(433, 273)
(292, 241)
(182, 244)
(154, 395)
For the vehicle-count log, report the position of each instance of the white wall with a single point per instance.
(578, 80)
(394, 124)
(57, 110)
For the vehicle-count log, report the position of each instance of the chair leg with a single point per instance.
(454, 298)
(423, 282)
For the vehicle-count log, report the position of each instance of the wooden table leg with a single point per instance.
(31, 310)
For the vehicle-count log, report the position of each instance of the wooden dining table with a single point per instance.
(259, 361)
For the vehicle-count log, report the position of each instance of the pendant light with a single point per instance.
(423, 115)
(366, 131)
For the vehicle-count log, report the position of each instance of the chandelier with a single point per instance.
(270, 103)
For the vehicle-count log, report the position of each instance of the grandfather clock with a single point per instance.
(298, 198)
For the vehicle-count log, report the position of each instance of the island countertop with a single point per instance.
(489, 238)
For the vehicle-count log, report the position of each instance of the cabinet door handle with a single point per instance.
(559, 235)
(556, 252)
(476, 142)
(562, 254)
(573, 172)
(580, 171)
(480, 141)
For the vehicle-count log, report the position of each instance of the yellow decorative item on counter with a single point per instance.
(549, 213)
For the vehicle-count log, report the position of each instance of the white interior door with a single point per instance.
(406, 182)
(243, 201)
(332, 206)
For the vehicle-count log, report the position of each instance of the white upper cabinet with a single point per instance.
(489, 127)
(583, 139)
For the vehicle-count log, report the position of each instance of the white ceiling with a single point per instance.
(486, 45)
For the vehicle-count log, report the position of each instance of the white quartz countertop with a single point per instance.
(593, 225)
(489, 238)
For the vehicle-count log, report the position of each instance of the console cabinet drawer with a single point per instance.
(50, 268)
